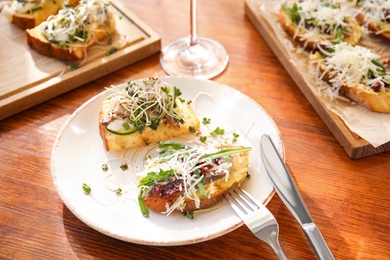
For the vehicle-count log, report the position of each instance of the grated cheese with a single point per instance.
(350, 66)
(324, 20)
(184, 162)
(377, 12)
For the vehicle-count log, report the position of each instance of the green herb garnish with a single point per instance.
(86, 188)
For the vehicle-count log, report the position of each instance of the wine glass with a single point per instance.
(194, 56)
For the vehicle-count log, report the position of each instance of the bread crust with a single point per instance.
(291, 29)
(77, 50)
(37, 41)
(114, 142)
(361, 18)
(238, 174)
(375, 101)
(28, 21)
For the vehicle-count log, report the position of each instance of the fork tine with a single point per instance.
(241, 199)
(256, 217)
(237, 206)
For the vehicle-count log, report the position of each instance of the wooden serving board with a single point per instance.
(28, 78)
(353, 145)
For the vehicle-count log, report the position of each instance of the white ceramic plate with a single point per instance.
(78, 155)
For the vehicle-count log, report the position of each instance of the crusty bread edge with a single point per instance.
(361, 18)
(239, 168)
(291, 30)
(28, 21)
(377, 102)
(113, 142)
(38, 42)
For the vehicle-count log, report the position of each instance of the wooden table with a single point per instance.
(348, 199)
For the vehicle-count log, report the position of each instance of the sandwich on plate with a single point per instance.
(187, 178)
(144, 112)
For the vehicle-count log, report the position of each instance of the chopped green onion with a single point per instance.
(225, 152)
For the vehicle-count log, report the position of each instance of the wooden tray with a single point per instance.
(28, 78)
(354, 146)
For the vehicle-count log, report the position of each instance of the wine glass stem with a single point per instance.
(193, 29)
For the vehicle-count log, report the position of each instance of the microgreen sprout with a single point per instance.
(124, 166)
(146, 104)
(86, 188)
(118, 191)
(203, 139)
(206, 121)
(74, 66)
(218, 131)
(192, 130)
(104, 167)
(189, 214)
(111, 51)
(235, 137)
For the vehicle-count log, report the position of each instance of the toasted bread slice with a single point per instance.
(73, 47)
(323, 30)
(116, 138)
(35, 13)
(355, 78)
(214, 190)
(381, 28)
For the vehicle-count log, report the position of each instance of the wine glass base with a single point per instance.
(206, 59)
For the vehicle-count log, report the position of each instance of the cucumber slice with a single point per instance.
(123, 131)
(120, 127)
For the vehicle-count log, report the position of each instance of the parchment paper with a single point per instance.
(372, 126)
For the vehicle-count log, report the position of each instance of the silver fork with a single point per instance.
(256, 217)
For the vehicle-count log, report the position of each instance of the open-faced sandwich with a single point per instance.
(376, 15)
(355, 72)
(188, 178)
(312, 22)
(144, 112)
(68, 35)
(27, 14)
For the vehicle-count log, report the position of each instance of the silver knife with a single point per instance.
(289, 194)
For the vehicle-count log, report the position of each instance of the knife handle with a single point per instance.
(317, 241)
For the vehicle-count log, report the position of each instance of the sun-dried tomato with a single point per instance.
(166, 190)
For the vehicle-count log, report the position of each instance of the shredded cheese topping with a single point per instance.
(353, 66)
(184, 162)
(377, 12)
(319, 21)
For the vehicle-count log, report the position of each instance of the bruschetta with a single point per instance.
(312, 22)
(67, 35)
(187, 178)
(375, 14)
(27, 14)
(145, 112)
(355, 72)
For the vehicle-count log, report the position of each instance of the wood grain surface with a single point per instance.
(29, 78)
(348, 199)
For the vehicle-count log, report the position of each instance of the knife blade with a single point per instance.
(289, 194)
